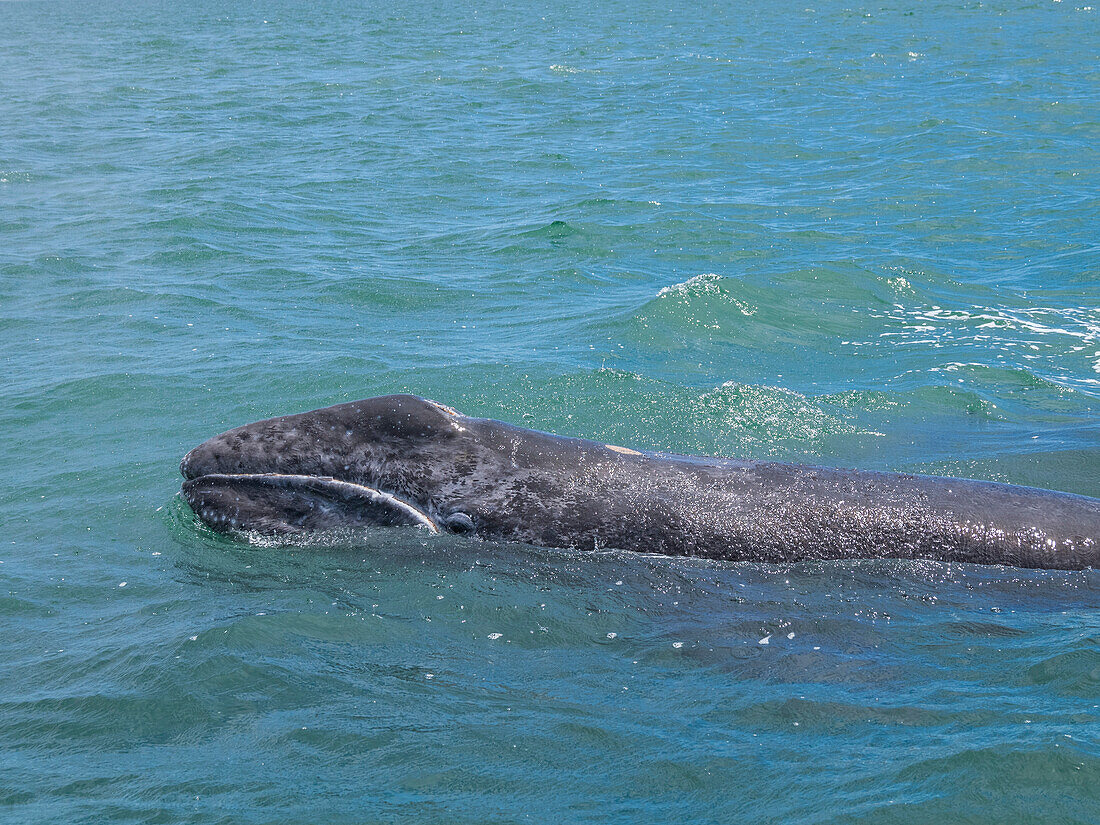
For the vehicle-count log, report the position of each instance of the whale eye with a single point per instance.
(460, 523)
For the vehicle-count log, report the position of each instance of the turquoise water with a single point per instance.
(862, 235)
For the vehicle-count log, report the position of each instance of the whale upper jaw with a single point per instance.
(352, 465)
(265, 479)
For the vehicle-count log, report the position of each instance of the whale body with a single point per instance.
(403, 460)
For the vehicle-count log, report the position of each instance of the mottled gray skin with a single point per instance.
(332, 469)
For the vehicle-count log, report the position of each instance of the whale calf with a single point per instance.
(403, 460)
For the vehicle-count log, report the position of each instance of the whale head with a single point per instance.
(387, 461)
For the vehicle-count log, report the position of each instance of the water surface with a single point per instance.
(856, 235)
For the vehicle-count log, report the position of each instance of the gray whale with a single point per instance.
(403, 460)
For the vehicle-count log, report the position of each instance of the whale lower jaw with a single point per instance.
(282, 504)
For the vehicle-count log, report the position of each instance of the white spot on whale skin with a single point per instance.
(449, 410)
(623, 450)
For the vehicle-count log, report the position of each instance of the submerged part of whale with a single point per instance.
(403, 460)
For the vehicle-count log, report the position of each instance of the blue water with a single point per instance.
(861, 235)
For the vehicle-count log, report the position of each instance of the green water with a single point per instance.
(860, 235)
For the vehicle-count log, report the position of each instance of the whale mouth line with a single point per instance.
(327, 486)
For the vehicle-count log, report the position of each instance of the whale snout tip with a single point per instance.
(201, 460)
(185, 466)
(197, 461)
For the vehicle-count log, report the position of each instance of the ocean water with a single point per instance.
(831, 231)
